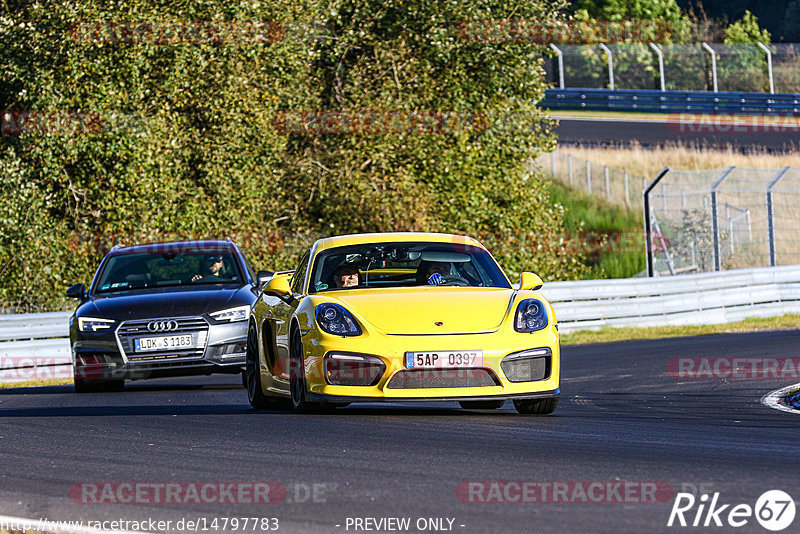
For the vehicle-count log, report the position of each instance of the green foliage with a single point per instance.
(183, 139)
(746, 30)
(611, 238)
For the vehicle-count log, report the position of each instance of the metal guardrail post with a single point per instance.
(560, 56)
(648, 239)
(569, 165)
(627, 194)
(589, 176)
(770, 215)
(769, 66)
(714, 221)
(713, 65)
(553, 162)
(660, 65)
(607, 50)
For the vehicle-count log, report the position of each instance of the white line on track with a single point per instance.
(773, 399)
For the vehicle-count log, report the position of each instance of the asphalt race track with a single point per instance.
(755, 135)
(621, 418)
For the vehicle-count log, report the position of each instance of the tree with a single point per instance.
(746, 30)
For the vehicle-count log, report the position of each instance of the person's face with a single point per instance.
(347, 278)
(439, 268)
(214, 265)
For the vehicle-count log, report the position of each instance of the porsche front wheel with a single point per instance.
(297, 373)
(536, 406)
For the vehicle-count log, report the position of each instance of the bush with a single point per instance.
(169, 141)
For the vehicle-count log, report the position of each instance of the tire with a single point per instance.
(482, 405)
(115, 385)
(297, 380)
(252, 374)
(97, 386)
(536, 406)
(86, 386)
(297, 373)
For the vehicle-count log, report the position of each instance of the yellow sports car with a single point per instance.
(401, 317)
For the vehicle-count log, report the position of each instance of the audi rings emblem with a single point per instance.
(162, 326)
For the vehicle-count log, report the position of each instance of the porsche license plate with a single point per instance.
(145, 344)
(444, 359)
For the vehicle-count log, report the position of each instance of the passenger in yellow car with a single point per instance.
(431, 272)
(346, 275)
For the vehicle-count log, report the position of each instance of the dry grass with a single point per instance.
(36, 383)
(638, 161)
(609, 334)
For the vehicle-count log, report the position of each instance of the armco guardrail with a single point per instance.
(692, 299)
(654, 101)
(34, 346)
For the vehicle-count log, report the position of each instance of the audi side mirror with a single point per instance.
(78, 291)
(263, 278)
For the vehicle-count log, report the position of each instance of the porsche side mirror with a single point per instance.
(279, 285)
(263, 278)
(78, 291)
(530, 281)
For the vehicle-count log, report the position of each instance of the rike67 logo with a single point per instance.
(774, 511)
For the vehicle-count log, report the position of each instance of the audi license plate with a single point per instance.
(444, 359)
(145, 344)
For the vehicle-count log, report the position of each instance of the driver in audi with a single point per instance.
(213, 267)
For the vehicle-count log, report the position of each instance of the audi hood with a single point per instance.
(166, 302)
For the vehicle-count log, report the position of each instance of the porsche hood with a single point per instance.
(435, 310)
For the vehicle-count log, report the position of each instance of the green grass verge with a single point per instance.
(608, 334)
(36, 383)
(586, 214)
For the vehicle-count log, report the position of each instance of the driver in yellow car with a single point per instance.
(346, 275)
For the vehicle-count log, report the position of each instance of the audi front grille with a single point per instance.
(129, 331)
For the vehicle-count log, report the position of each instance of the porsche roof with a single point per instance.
(391, 237)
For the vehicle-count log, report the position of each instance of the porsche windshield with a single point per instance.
(405, 265)
(126, 272)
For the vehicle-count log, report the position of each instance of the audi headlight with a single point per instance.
(93, 324)
(531, 316)
(232, 315)
(334, 319)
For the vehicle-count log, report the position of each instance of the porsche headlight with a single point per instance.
(334, 319)
(232, 315)
(93, 324)
(531, 316)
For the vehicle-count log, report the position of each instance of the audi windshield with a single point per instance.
(125, 272)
